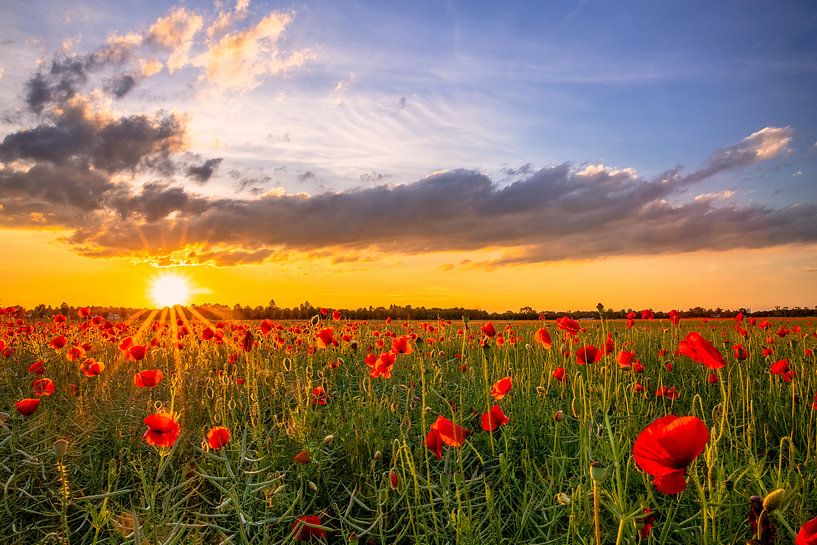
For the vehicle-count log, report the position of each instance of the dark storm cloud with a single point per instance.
(67, 74)
(554, 214)
(76, 133)
(202, 173)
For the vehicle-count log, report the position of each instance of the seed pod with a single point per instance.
(598, 472)
(60, 447)
(774, 499)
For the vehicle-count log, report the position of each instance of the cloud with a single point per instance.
(202, 173)
(227, 18)
(763, 145)
(77, 132)
(240, 59)
(175, 33)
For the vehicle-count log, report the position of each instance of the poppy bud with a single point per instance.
(312, 486)
(774, 499)
(328, 439)
(279, 489)
(559, 416)
(378, 455)
(562, 499)
(393, 479)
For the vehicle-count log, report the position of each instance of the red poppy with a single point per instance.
(336, 315)
(91, 368)
(501, 388)
(37, 368)
(443, 431)
(383, 365)
(700, 350)
(434, 443)
(588, 354)
(162, 431)
(266, 326)
(325, 337)
(808, 533)
(625, 359)
(494, 418)
(669, 393)
(712, 378)
(218, 437)
(740, 352)
(451, 434)
(401, 345)
(638, 367)
(782, 369)
(318, 396)
(542, 337)
(306, 527)
(59, 318)
(43, 387)
(667, 446)
(84, 312)
(569, 325)
(137, 352)
(674, 317)
(645, 524)
(58, 342)
(488, 329)
(559, 374)
(149, 378)
(26, 407)
(247, 341)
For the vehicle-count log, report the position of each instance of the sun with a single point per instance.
(170, 289)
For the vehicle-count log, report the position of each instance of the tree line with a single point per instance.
(304, 311)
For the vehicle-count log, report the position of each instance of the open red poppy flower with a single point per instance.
(162, 431)
(501, 388)
(494, 418)
(699, 349)
(218, 437)
(667, 446)
(808, 533)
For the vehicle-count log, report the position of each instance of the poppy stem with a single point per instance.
(596, 511)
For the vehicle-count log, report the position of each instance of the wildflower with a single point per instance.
(667, 446)
(501, 388)
(542, 337)
(149, 378)
(308, 526)
(699, 349)
(27, 407)
(218, 437)
(162, 431)
(494, 418)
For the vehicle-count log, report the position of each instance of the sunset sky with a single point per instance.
(457, 153)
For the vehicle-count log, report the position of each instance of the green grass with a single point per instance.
(497, 488)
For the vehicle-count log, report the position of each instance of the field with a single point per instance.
(327, 443)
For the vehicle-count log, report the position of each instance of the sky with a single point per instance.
(482, 154)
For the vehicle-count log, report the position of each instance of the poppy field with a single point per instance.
(170, 428)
